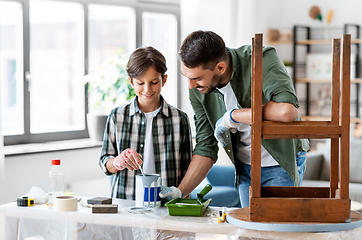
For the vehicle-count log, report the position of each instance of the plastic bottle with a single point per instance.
(56, 181)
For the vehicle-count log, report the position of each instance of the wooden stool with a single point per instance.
(303, 204)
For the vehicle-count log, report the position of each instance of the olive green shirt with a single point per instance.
(277, 87)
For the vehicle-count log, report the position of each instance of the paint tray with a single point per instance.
(189, 207)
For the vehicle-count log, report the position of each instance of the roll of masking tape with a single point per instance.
(65, 204)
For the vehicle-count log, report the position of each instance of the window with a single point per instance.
(110, 28)
(112, 35)
(56, 66)
(11, 67)
(160, 31)
(46, 47)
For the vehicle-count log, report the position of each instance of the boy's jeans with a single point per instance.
(270, 176)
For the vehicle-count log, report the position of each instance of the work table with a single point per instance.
(41, 220)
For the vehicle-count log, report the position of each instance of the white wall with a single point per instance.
(286, 13)
(224, 19)
(234, 20)
(2, 175)
(237, 21)
(82, 173)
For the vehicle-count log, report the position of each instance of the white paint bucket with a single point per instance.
(148, 185)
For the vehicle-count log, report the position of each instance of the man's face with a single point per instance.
(204, 80)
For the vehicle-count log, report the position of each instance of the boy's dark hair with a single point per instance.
(144, 57)
(203, 48)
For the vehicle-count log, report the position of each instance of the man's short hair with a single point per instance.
(144, 57)
(203, 48)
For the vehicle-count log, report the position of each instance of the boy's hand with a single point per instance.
(170, 193)
(127, 159)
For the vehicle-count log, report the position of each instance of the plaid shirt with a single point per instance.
(126, 128)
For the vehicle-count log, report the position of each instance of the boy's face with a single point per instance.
(204, 80)
(148, 88)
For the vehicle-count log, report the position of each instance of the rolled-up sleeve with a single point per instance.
(109, 149)
(206, 144)
(277, 84)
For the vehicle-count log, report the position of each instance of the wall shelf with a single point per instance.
(323, 41)
(309, 80)
(280, 42)
(302, 36)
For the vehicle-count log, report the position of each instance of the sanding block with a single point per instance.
(105, 208)
(99, 200)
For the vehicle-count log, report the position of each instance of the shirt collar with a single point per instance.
(233, 62)
(135, 109)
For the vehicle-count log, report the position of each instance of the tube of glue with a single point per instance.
(221, 216)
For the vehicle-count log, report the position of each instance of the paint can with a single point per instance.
(147, 190)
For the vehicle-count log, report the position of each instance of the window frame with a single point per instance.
(157, 8)
(171, 7)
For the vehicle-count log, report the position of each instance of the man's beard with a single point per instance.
(216, 80)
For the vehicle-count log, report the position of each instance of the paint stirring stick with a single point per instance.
(141, 169)
(140, 166)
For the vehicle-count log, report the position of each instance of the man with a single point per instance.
(220, 94)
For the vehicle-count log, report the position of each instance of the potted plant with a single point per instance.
(107, 88)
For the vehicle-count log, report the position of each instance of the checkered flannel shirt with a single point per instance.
(126, 128)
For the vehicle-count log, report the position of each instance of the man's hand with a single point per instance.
(127, 159)
(223, 124)
(170, 193)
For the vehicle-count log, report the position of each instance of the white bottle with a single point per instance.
(56, 181)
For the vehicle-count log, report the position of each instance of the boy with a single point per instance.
(147, 127)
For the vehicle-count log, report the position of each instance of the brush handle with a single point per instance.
(204, 191)
(140, 169)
